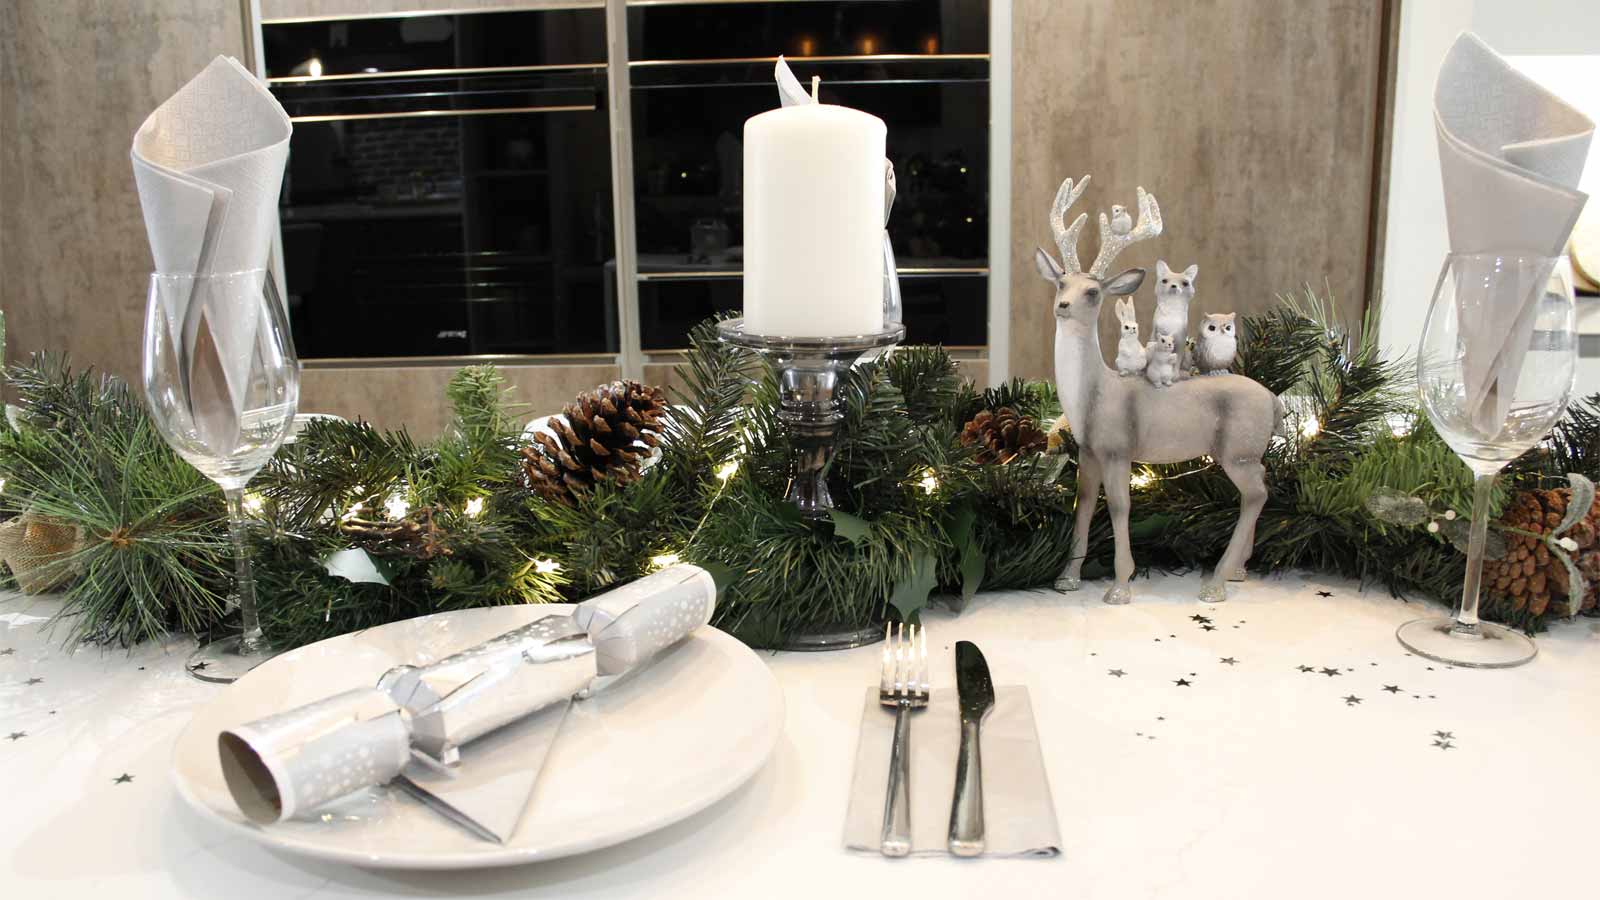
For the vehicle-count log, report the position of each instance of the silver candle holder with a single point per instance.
(808, 370)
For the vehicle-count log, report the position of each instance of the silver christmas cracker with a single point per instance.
(293, 762)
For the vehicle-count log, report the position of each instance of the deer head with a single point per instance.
(1078, 293)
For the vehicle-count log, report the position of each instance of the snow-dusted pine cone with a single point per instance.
(606, 436)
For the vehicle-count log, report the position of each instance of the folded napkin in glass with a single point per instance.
(467, 734)
(1019, 812)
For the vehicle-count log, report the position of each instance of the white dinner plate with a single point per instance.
(646, 752)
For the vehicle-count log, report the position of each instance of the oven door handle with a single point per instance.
(435, 113)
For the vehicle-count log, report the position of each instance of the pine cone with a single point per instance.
(1002, 435)
(1530, 578)
(606, 436)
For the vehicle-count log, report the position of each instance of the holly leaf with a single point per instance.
(355, 565)
(852, 528)
(911, 593)
(1578, 504)
(1391, 506)
(1577, 585)
(722, 576)
(1459, 532)
(971, 560)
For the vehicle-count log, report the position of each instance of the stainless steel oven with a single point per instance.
(449, 184)
(698, 70)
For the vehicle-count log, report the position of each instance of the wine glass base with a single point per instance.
(1493, 647)
(220, 662)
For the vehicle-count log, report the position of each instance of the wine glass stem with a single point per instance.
(1467, 618)
(250, 639)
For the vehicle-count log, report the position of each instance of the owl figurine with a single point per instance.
(1217, 344)
(1163, 368)
(1121, 222)
(1130, 353)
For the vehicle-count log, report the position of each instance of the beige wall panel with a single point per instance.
(412, 397)
(343, 9)
(1252, 121)
(76, 79)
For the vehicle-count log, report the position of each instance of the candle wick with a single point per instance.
(816, 81)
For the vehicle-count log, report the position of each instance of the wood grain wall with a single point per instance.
(1251, 121)
(77, 77)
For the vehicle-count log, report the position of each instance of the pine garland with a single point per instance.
(450, 524)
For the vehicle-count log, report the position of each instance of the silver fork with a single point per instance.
(903, 684)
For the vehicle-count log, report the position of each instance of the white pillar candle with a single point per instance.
(813, 221)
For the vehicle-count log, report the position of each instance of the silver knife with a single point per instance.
(976, 697)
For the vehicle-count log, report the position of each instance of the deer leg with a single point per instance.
(1088, 498)
(1249, 476)
(1118, 500)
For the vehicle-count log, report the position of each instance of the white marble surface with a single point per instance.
(1254, 780)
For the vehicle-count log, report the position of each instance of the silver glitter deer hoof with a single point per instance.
(1118, 421)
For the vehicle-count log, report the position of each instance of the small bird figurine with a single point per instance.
(1121, 222)
(1163, 368)
(1130, 352)
(1217, 345)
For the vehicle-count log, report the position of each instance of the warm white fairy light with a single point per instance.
(662, 560)
(252, 501)
(396, 506)
(1310, 426)
(1141, 479)
(546, 566)
(727, 470)
(929, 482)
(474, 508)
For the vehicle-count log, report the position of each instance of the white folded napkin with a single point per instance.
(1510, 153)
(209, 164)
(1019, 814)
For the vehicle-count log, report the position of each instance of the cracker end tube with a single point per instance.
(296, 761)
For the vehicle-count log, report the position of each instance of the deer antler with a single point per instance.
(1111, 243)
(1067, 236)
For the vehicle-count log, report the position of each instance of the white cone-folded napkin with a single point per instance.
(209, 164)
(1510, 154)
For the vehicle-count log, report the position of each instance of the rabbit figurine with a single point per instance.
(1163, 368)
(1130, 352)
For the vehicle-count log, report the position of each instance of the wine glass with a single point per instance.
(1499, 355)
(222, 383)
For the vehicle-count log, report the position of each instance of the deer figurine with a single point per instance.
(1118, 421)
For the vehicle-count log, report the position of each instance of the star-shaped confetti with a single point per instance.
(1445, 735)
(1324, 593)
(1351, 700)
(33, 681)
(1203, 620)
(1444, 745)
(1208, 627)
(1307, 668)
(8, 651)
(1392, 688)
(1182, 682)
(124, 778)
(1330, 672)
(1115, 673)
(1228, 661)
(199, 666)
(16, 735)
